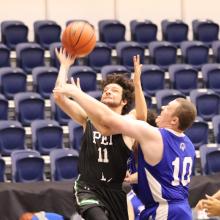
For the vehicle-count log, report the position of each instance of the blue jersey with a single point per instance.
(47, 216)
(132, 168)
(163, 188)
(137, 205)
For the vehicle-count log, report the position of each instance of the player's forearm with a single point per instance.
(140, 103)
(62, 75)
(95, 110)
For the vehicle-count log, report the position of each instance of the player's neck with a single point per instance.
(176, 132)
(116, 110)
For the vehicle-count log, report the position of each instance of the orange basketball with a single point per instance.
(79, 38)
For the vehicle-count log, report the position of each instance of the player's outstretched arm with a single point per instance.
(70, 107)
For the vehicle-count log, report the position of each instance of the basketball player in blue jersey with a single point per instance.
(166, 157)
(102, 158)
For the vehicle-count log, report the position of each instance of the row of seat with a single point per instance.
(46, 135)
(112, 31)
(162, 53)
(29, 166)
(182, 77)
(30, 106)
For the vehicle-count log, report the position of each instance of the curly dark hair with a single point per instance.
(128, 89)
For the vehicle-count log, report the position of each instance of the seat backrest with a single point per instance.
(114, 69)
(211, 76)
(162, 53)
(206, 31)
(46, 32)
(46, 135)
(14, 32)
(198, 133)
(183, 77)
(143, 32)
(216, 128)
(5, 55)
(27, 166)
(64, 164)
(207, 103)
(3, 107)
(12, 136)
(75, 135)
(194, 53)
(210, 162)
(29, 55)
(2, 170)
(100, 56)
(126, 51)
(57, 113)
(111, 32)
(44, 79)
(174, 31)
(86, 75)
(29, 106)
(12, 81)
(163, 97)
(152, 79)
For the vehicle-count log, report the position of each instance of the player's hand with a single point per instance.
(199, 205)
(131, 178)
(65, 59)
(212, 206)
(137, 69)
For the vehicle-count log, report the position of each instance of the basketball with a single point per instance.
(79, 38)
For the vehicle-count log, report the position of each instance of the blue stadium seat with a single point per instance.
(44, 79)
(46, 32)
(216, 128)
(163, 97)
(111, 32)
(183, 77)
(209, 156)
(12, 81)
(216, 51)
(86, 75)
(162, 53)
(152, 79)
(64, 164)
(57, 113)
(75, 134)
(198, 132)
(143, 32)
(95, 94)
(174, 31)
(207, 103)
(99, 57)
(195, 53)
(211, 76)
(27, 166)
(47, 135)
(12, 136)
(29, 106)
(206, 31)
(13, 32)
(126, 51)
(2, 170)
(3, 107)
(114, 69)
(29, 55)
(5, 56)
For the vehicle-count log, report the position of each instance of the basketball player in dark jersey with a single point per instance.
(166, 156)
(103, 158)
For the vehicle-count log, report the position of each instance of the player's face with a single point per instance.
(167, 117)
(112, 95)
